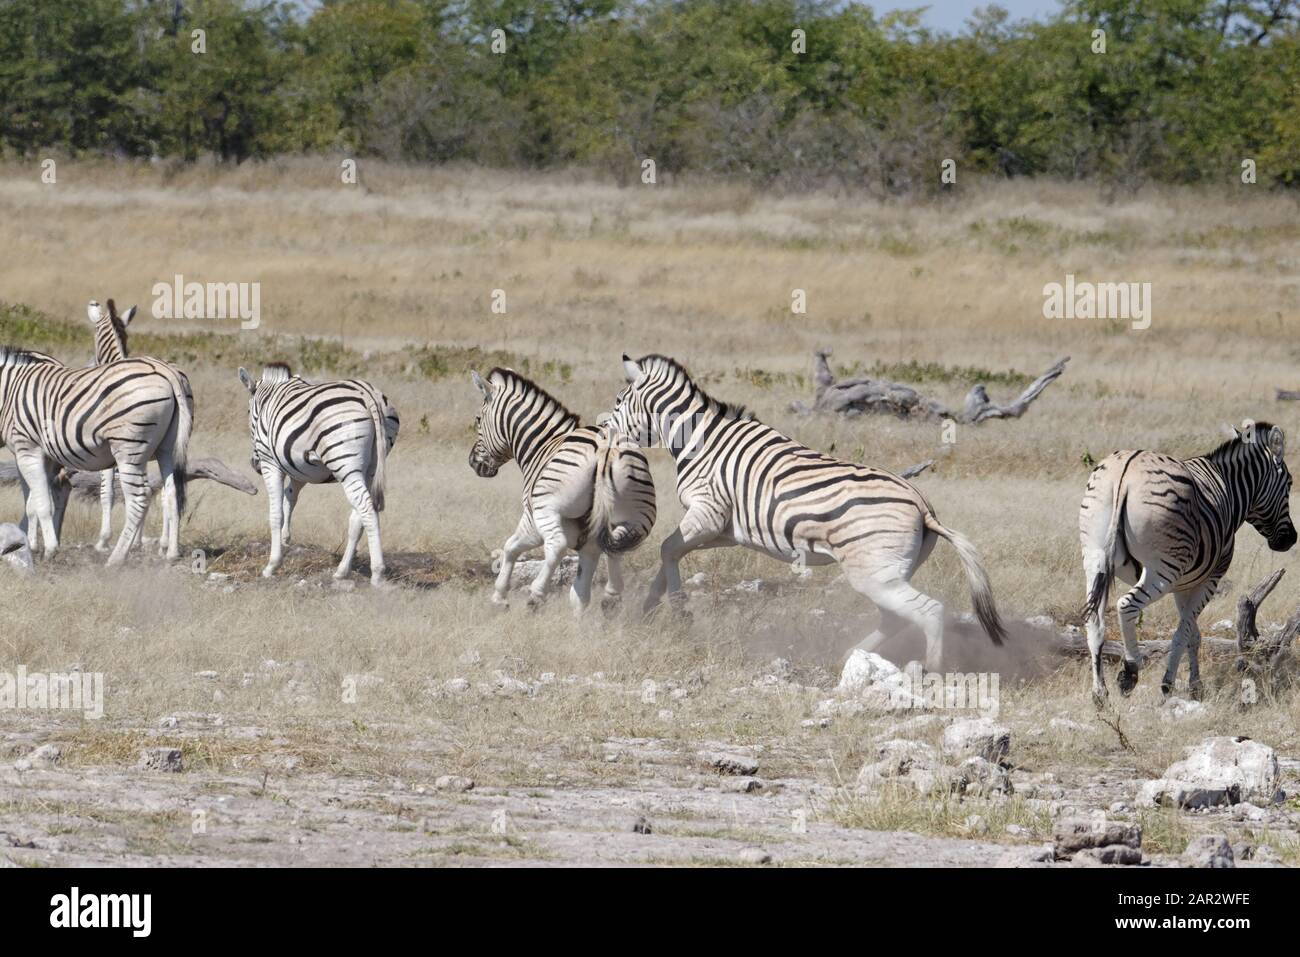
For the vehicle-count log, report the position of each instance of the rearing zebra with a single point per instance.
(584, 487)
(314, 434)
(122, 414)
(744, 483)
(1164, 525)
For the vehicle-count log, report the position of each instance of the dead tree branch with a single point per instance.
(1266, 654)
(1288, 395)
(863, 394)
(86, 484)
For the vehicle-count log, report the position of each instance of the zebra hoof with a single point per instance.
(101, 547)
(268, 571)
(610, 604)
(1194, 690)
(1099, 699)
(535, 602)
(1127, 679)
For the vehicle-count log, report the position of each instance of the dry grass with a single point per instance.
(410, 259)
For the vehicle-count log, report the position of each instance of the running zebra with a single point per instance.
(584, 487)
(1165, 525)
(315, 434)
(121, 415)
(743, 483)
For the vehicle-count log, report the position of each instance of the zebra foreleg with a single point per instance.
(40, 503)
(105, 510)
(524, 538)
(292, 489)
(274, 481)
(697, 530)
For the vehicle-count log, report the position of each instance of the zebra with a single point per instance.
(744, 483)
(110, 346)
(305, 433)
(585, 488)
(1165, 525)
(122, 414)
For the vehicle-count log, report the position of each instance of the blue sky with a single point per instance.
(950, 15)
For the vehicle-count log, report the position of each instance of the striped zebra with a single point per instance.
(305, 433)
(1165, 525)
(743, 483)
(123, 414)
(110, 346)
(584, 488)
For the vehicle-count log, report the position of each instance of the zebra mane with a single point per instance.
(730, 410)
(119, 327)
(512, 379)
(18, 356)
(1225, 449)
(274, 372)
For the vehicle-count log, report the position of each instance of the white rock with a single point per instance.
(865, 668)
(977, 737)
(1246, 770)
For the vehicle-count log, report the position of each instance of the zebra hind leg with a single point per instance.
(555, 543)
(355, 527)
(1190, 605)
(1097, 583)
(580, 593)
(169, 539)
(892, 593)
(135, 497)
(613, 584)
(1150, 586)
(359, 497)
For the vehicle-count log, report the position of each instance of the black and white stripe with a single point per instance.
(585, 488)
(123, 414)
(744, 483)
(1167, 525)
(110, 346)
(305, 433)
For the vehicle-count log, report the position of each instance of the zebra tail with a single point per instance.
(184, 427)
(981, 591)
(1100, 589)
(377, 481)
(608, 490)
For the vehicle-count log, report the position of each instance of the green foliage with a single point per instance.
(1185, 90)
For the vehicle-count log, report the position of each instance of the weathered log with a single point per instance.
(1288, 395)
(914, 470)
(86, 484)
(862, 394)
(1077, 646)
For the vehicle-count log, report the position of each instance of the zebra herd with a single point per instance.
(1159, 524)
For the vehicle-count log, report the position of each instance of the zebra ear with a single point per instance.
(1276, 441)
(92, 311)
(245, 378)
(482, 386)
(130, 314)
(631, 370)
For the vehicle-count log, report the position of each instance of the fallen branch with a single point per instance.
(914, 470)
(86, 484)
(862, 394)
(1077, 646)
(1288, 395)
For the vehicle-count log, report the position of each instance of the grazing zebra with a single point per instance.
(122, 414)
(1165, 525)
(314, 434)
(743, 483)
(584, 487)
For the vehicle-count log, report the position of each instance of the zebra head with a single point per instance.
(272, 375)
(662, 406)
(491, 448)
(110, 330)
(1270, 510)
